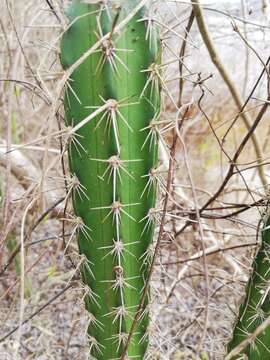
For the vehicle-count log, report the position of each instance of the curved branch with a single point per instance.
(229, 82)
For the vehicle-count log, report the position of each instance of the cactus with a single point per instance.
(256, 306)
(112, 104)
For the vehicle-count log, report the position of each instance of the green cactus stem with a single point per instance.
(112, 104)
(256, 306)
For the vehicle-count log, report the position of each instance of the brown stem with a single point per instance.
(229, 82)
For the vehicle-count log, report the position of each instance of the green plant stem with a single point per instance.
(110, 102)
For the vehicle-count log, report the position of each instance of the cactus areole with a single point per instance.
(111, 104)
